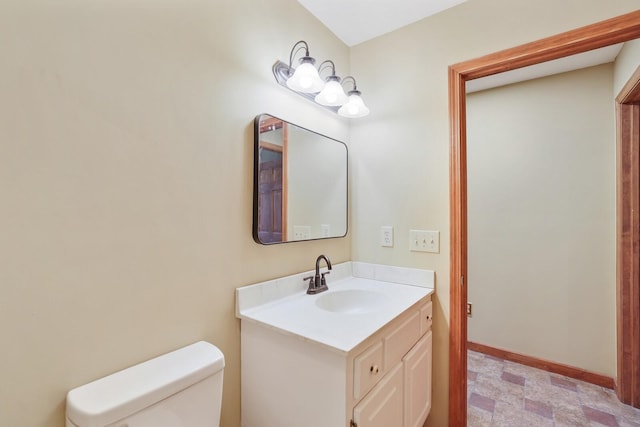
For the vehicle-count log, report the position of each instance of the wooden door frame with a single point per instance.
(595, 36)
(285, 181)
(628, 240)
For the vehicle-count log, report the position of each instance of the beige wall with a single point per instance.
(125, 157)
(626, 64)
(400, 151)
(126, 184)
(317, 183)
(541, 218)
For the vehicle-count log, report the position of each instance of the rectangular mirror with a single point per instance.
(299, 183)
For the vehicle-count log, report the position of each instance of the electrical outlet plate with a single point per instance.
(424, 241)
(386, 236)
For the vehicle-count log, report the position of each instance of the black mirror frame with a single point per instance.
(256, 173)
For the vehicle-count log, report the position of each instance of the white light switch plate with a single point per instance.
(386, 236)
(301, 232)
(424, 241)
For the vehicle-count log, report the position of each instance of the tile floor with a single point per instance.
(503, 393)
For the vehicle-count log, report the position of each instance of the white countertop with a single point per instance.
(297, 313)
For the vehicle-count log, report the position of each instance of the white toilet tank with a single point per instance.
(179, 389)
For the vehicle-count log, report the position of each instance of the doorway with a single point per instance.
(612, 31)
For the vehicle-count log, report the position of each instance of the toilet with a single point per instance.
(178, 389)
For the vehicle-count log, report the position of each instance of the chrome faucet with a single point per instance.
(318, 283)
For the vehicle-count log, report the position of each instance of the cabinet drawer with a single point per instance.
(367, 370)
(383, 406)
(401, 339)
(426, 317)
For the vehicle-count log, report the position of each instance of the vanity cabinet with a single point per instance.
(417, 366)
(402, 397)
(383, 381)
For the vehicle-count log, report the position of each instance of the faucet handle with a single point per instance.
(323, 281)
(312, 283)
(314, 287)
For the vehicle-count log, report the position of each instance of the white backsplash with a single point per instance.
(389, 273)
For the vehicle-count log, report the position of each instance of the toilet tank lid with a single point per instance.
(124, 393)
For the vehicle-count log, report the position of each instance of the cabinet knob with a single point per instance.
(374, 369)
(428, 317)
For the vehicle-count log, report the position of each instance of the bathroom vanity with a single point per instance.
(359, 354)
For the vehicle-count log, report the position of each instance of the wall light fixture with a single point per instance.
(354, 107)
(332, 95)
(305, 80)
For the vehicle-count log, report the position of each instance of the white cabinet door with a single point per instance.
(417, 382)
(382, 406)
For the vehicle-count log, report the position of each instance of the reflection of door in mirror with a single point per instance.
(272, 185)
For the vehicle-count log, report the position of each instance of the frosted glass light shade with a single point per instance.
(354, 107)
(305, 79)
(333, 94)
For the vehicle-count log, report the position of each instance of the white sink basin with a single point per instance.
(351, 301)
(341, 318)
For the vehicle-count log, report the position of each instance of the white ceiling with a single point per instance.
(356, 21)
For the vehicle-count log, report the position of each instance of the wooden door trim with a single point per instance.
(630, 93)
(628, 240)
(605, 33)
(458, 251)
(285, 181)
